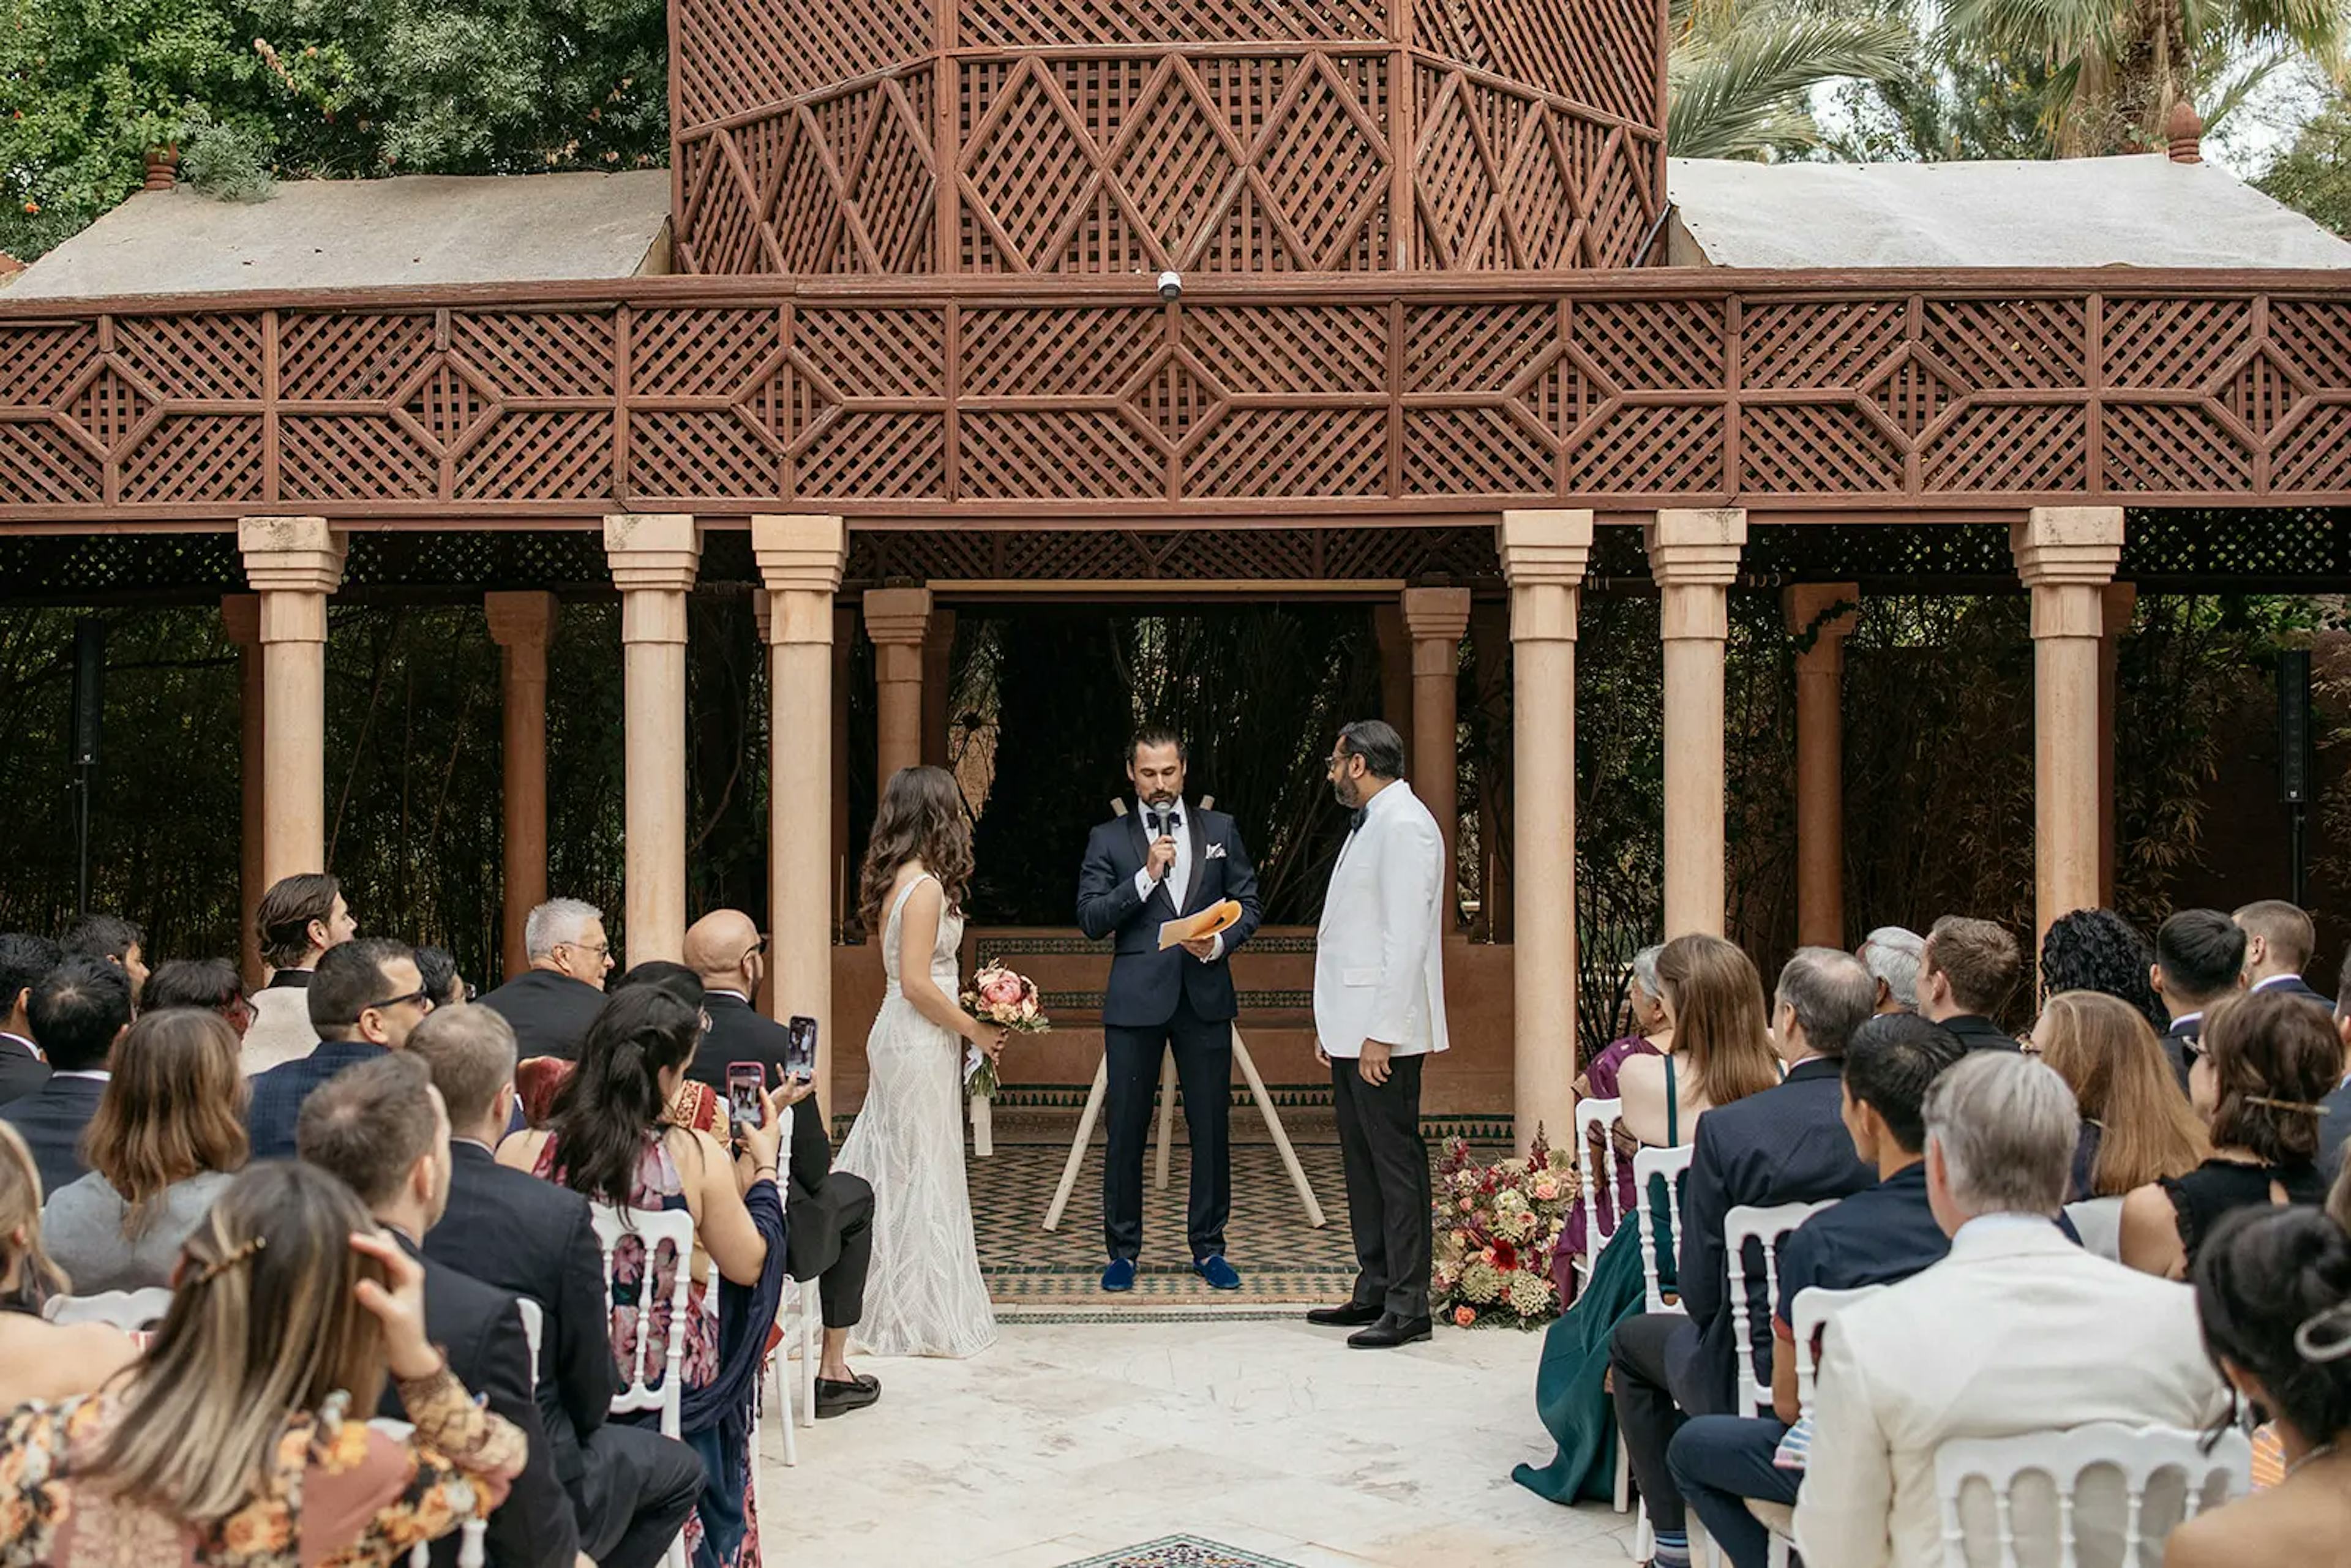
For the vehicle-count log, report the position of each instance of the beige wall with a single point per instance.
(1473, 1077)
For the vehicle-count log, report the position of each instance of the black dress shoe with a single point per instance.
(1390, 1331)
(1354, 1314)
(834, 1398)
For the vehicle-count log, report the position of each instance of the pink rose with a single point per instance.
(1464, 1316)
(1467, 1206)
(1545, 1191)
(1002, 990)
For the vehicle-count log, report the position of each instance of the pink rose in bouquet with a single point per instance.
(1008, 1000)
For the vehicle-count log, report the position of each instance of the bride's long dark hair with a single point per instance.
(921, 818)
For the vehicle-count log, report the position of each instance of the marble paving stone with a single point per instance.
(1067, 1441)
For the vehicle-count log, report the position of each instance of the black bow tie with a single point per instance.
(1168, 821)
(1355, 819)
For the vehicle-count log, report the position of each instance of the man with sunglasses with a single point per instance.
(365, 998)
(552, 1004)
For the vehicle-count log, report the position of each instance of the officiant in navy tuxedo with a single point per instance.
(1164, 859)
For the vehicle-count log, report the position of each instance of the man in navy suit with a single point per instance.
(2279, 941)
(1165, 860)
(77, 1012)
(364, 998)
(2200, 963)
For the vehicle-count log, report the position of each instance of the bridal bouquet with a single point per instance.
(1496, 1227)
(1002, 997)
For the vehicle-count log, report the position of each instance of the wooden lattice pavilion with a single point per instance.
(1424, 348)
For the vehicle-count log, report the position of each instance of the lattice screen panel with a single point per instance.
(734, 396)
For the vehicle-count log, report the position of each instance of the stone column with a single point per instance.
(293, 564)
(898, 620)
(800, 558)
(521, 624)
(242, 614)
(938, 650)
(1694, 556)
(847, 858)
(2066, 555)
(1437, 618)
(1395, 669)
(1543, 557)
(2119, 602)
(1825, 612)
(654, 557)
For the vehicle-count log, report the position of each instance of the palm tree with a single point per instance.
(1741, 70)
(2117, 67)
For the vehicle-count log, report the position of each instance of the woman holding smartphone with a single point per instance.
(925, 1296)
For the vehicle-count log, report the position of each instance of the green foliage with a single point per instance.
(2314, 175)
(1741, 71)
(1944, 105)
(228, 163)
(312, 88)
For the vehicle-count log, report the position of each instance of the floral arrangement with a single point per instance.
(1496, 1227)
(1008, 999)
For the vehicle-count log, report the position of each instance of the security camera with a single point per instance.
(1171, 286)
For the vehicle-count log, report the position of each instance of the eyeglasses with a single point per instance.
(759, 947)
(421, 996)
(601, 949)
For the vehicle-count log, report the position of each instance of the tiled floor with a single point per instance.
(1067, 1441)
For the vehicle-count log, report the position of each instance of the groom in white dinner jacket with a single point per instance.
(1379, 1011)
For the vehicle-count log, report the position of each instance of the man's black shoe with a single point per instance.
(1354, 1314)
(839, 1398)
(1390, 1331)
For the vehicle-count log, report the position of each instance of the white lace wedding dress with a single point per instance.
(925, 1295)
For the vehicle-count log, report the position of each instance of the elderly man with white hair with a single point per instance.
(2018, 1331)
(1892, 956)
(552, 1004)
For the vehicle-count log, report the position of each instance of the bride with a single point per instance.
(925, 1296)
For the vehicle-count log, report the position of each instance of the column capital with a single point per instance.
(524, 619)
(801, 555)
(1828, 611)
(1696, 548)
(1544, 549)
(2068, 545)
(240, 615)
(659, 552)
(291, 555)
(898, 616)
(1433, 614)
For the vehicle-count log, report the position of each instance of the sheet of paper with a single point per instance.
(1199, 926)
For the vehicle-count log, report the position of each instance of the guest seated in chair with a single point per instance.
(40, 1360)
(1876, 1237)
(2018, 1331)
(1722, 1054)
(552, 1004)
(2274, 1294)
(2136, 1127)
(631, 1490)
(1650, 1032)
(830, 1233)
(79, 1012)
(611, 1139)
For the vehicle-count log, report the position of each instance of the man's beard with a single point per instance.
(1344, 790)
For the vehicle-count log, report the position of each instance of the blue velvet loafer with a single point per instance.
(1220, 1275)
(1120, 1275)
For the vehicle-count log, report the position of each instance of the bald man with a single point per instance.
(827, 1214)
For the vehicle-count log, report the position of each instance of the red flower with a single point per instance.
(1505, 1257)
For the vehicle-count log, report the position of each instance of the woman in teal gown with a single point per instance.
(1571, 1383)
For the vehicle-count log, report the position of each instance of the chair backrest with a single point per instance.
(650, 1228)
(534, 1324)
(2137, 1454)
(1673, 1165)
(2099, 1223)
(1814, 1305)
(1769, 1226)
(1595, 1155)
(129, 1311)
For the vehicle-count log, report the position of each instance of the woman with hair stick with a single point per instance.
(236, 1442)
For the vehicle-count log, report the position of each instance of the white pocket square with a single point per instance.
(1214, 852)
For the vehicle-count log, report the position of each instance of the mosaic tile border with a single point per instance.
(1181, 1552)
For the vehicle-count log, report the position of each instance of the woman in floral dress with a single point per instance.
(229, 1446)
(610, 1137)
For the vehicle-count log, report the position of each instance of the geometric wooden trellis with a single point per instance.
(989, 398)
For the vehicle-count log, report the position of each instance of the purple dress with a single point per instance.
(1601, 1076)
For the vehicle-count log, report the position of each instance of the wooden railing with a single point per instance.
(1063, 397)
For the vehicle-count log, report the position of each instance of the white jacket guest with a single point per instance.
(2018, 1331)
(1379, 1012)
(298, 919)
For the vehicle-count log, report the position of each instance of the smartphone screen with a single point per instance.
(745, 1079)
(799, 1051)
